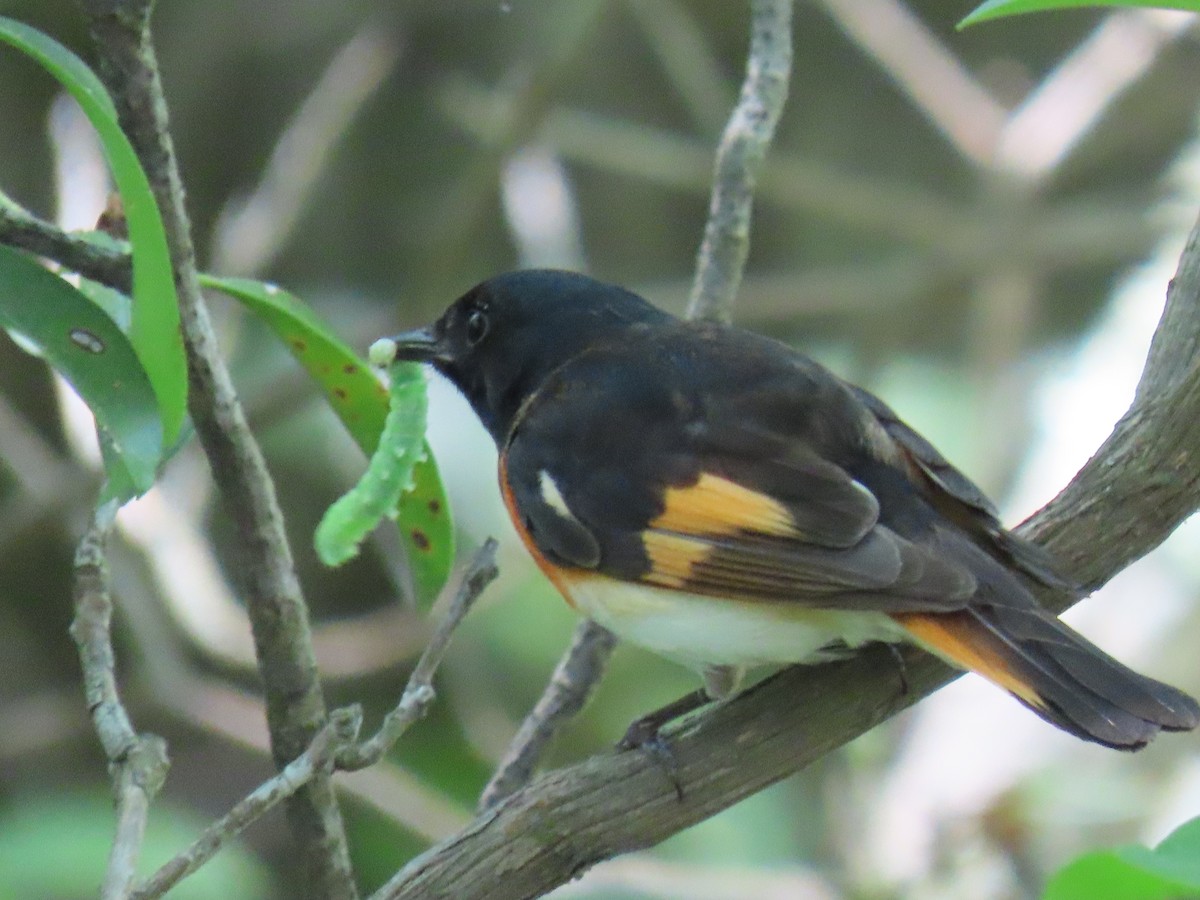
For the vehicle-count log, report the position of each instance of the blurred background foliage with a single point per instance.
(978, 226)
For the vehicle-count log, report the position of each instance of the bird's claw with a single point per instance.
(645, 736)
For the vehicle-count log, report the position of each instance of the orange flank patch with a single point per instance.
(955, 637)
(557, 575)
(717, 506)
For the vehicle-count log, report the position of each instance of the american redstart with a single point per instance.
(718, 498)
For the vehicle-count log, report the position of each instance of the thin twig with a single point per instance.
(138, 762)
(334, 741)
(340, 729)
(170, 677)
(726, 243)
(120, 33)
(574, 679)
(418, 693)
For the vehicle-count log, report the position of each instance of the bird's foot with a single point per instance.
(659, 750)
(645, 734)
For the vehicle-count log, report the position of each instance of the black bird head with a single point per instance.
(503, 337)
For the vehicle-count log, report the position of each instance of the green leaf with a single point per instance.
(89, 350)
(360, 401)
(1177, 857)
(1000, 9)
(115, 304)
(1169, 872)
(154, 330)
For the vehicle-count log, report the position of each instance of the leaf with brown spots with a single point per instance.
(360, 401)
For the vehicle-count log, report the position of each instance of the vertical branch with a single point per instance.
(726, 243)
(1178, 334)
(138, 762)
(120, 31)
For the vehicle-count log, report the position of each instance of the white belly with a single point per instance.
(702, 631)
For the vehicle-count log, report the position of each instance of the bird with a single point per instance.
(718, 498)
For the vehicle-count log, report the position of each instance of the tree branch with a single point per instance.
(574, 679)
(340, 728)
(295, 706)
(334, 744)
(743, 147)
(138, 762)
(18, 228)
(1146, 475)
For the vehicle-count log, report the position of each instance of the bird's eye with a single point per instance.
(477, 326)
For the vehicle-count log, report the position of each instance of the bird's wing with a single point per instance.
(959, 499)
(770, 518)
(712, 499)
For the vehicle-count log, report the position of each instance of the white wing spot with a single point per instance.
(553, 496)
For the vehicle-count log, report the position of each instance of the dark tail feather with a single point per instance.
(1057, 673)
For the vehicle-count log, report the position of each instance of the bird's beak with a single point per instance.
(418, 345)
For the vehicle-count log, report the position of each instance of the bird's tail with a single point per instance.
(1056, 672)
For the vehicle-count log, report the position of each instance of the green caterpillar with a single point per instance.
(389, 471)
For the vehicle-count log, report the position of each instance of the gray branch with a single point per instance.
(340, 729)
(120, 33)
(726, 243)
(1146, 476)
(18, 228)
(332, 746)
(138, 762)
(574, 679)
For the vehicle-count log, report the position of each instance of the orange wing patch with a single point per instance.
(673, 558)
(717, 506)
(957, 638)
